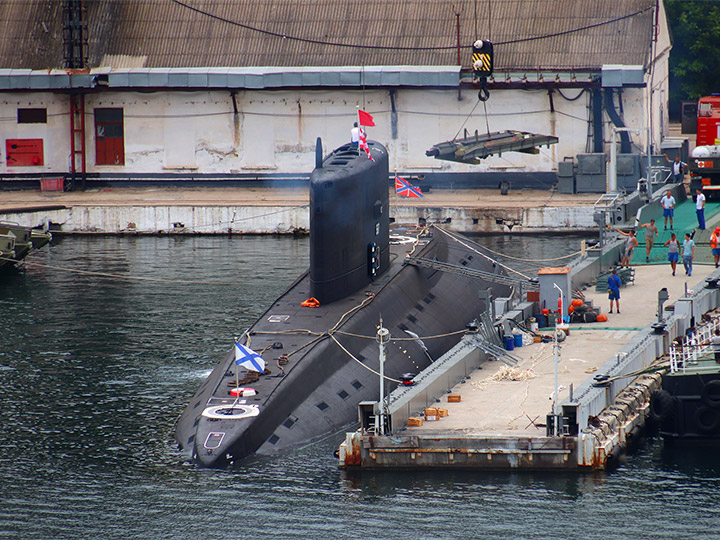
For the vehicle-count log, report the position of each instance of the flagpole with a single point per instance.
(237, 368)
(395, 187)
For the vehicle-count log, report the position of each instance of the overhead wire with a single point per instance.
(364, 46)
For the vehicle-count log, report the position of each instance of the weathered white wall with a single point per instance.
(55, 134)
(275, 131)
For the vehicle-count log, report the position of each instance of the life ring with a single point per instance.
(662, 405)
(707, 419)
(711, 394)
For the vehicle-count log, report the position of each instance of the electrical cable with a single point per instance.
(390, 48)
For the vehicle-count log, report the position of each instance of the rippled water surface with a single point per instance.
(95, 369)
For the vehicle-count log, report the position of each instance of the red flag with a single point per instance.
(364, 145)
(365, 119)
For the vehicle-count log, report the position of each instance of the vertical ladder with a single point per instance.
(77, 139)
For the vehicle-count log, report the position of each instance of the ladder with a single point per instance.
(77, 138)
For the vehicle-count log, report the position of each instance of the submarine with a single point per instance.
(318, 338)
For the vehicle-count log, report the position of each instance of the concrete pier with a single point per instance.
(282, 210)
(500, 421)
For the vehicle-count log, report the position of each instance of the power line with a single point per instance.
(389, 48)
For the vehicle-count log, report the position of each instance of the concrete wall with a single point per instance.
(274, 132)
(278, 219)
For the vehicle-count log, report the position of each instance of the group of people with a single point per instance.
(675, 249)
(686, 250)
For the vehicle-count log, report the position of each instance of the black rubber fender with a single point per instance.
(711, 394)
(662, 405)
(707, 419)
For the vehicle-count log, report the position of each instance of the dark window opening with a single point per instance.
(429, 298)
(419, 307)
(343, 394)
(360, 357)
(273, 439)
(290, 422)
(475, 221)
(412, 318)
(402, 327)
(322, 405)
(32, 116)
(357, 384)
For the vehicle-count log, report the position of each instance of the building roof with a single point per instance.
(528, 34)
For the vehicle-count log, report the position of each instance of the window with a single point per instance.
(32, 116)
(109, 139)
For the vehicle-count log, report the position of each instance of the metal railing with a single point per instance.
(695, 346)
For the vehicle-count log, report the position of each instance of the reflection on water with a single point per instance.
(95, 369)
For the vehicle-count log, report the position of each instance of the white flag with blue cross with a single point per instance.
(249, 359)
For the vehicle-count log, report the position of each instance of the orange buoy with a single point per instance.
(577, 302)
(601, 318)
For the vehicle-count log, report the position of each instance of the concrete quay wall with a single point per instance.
(167, 219)
(240, 219)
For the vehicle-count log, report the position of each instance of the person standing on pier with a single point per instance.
(688, 253)
(630, 244)
(614, 283)
(673, 251)
(714, 239)
(651, 231)
(700, 208)
(678, 168)
(668, 204)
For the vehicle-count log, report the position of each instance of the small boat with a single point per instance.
(7, 249)
(16, 242)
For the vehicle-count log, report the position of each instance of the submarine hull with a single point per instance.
(321, 362)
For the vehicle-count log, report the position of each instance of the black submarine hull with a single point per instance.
(322, 361)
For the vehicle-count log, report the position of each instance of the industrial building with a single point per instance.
(241, 90)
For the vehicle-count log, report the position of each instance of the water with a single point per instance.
(95, 370)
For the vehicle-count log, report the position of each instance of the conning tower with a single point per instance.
(349, 221)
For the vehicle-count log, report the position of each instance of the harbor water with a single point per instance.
(96, 365)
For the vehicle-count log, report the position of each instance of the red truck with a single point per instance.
(704, 160)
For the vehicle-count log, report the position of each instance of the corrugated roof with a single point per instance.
(205, 33)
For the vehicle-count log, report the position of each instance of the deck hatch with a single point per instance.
(214, 439)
